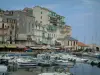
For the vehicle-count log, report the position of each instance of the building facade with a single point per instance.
(53, 23)
(68, 43)
(51, 20)
(82, 46)
(34, 26)
(7, 28)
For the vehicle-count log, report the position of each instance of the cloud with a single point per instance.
(51, 6)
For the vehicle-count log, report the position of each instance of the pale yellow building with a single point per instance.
(68, 43)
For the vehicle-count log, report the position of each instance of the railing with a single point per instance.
(51, 28)
(49, 37)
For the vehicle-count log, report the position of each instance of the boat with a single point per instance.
(25, 62)
(56, 73)
(97, 55)
(3, 70)
(3, 67)
(63, 62)
(44, 60)
(7, 56)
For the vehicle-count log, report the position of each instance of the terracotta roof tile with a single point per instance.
(82, 44)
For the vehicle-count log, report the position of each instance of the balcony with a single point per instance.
(53, 15)
(51, 28)
(49, 38)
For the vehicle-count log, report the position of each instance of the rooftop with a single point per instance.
(82, 44)
(47, 9)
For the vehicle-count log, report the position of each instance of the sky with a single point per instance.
(82, 15)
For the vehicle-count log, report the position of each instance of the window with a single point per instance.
(32, 25)
(41, 12)
(7, 20)
(8, 26)
(41, 17)
(40, 21)
(68, 43)
(71, 43)
(3, 25)
(74, 43)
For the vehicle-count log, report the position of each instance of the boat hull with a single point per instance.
(26, 65)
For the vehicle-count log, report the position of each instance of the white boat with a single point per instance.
(56, 73)
(97, 55)
(3, 70)
(25, 62)
(74, 58)
(64, 63)
(44, 59)
(7, 56)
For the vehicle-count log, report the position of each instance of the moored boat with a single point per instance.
(56, 73)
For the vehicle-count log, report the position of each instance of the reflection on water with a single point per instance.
(78, 69)
(52, 69)
(85, 69)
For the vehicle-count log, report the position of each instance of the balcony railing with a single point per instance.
(51, 28)
(49, 37)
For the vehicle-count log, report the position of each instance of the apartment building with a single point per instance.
(2, 30)
(53, 23)
(50, 20)
(46, 16)
(36, 25)
(29, 32)
(7, 28)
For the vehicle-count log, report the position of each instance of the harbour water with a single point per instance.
(85, 69)
(78, 69)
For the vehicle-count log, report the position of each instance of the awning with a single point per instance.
(52, 47)
(44, 47)
(20, 46)
(68, 47)
(35, 47)
(57, 48)
(2, 45)
(10, 45)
